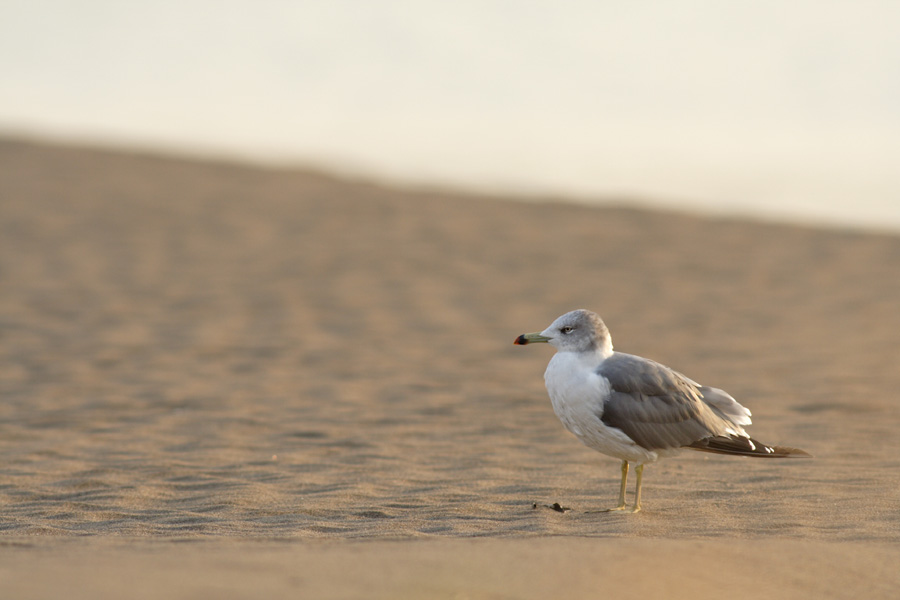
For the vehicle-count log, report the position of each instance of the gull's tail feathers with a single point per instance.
(745, 446)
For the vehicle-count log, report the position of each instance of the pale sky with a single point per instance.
(771, 108)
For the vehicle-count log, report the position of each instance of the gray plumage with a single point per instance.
(661, 409)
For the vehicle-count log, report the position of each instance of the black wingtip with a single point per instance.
(792, 452)
(745, 446)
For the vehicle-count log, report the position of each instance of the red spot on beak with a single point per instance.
(521, 340)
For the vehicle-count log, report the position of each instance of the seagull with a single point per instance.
(633, 408)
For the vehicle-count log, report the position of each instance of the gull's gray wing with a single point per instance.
(657, 407)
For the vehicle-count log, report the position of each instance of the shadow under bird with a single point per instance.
(635, 409)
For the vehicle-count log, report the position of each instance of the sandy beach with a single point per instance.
(250, 381)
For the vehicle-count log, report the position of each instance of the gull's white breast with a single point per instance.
(577, 394)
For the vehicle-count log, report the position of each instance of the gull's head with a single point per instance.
(577, 331)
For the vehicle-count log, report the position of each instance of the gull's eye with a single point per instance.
(567, 329)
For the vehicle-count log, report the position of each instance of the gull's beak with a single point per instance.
(531, 338)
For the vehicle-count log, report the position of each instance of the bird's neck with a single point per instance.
(566, 362)
(596, 355)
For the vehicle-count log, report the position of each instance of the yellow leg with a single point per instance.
(621, 505)
(639, 471)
